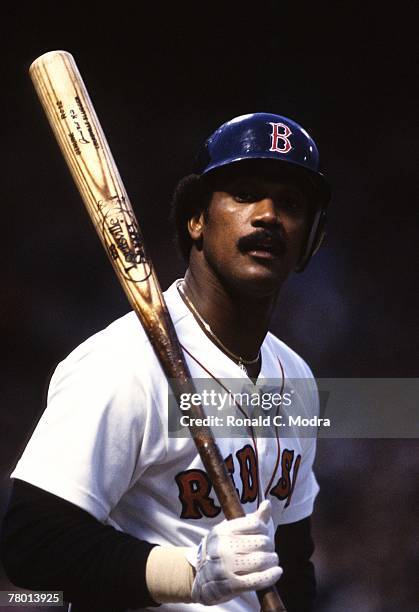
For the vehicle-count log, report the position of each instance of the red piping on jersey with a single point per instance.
(255, 446)
(278, 446)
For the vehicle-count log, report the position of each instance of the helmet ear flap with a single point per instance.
(315, 239)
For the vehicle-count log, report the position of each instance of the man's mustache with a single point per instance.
(264, 239)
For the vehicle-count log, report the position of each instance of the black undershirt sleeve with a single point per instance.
(51, 544)
(297, 585)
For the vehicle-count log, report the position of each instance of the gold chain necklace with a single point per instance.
(241, 362)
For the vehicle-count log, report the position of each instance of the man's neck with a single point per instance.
(240, 322)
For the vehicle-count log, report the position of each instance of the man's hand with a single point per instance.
(235, 556)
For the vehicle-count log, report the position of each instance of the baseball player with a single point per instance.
(109, 508)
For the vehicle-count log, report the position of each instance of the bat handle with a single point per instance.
(270, 601)
(216, 469)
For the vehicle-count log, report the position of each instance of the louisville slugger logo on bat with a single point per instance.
(123, 239)
(77, 129)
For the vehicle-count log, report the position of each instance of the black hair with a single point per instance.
(191, 196)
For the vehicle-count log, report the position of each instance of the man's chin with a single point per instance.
(258, 280)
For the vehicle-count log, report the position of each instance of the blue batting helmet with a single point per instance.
(265, 136)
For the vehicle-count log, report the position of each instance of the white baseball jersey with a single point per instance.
(102, 442)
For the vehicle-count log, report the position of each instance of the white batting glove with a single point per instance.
(235, 556)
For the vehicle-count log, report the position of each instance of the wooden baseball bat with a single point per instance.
(74, 122)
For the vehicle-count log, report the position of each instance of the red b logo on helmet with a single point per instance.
(279, 138)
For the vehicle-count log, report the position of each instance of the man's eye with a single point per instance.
(246, 196)
(292, 204)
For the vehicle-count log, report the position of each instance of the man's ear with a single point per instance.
(196, 226)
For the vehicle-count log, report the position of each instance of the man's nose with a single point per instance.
(265, 212)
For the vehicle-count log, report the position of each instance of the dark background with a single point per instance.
(162, 77)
